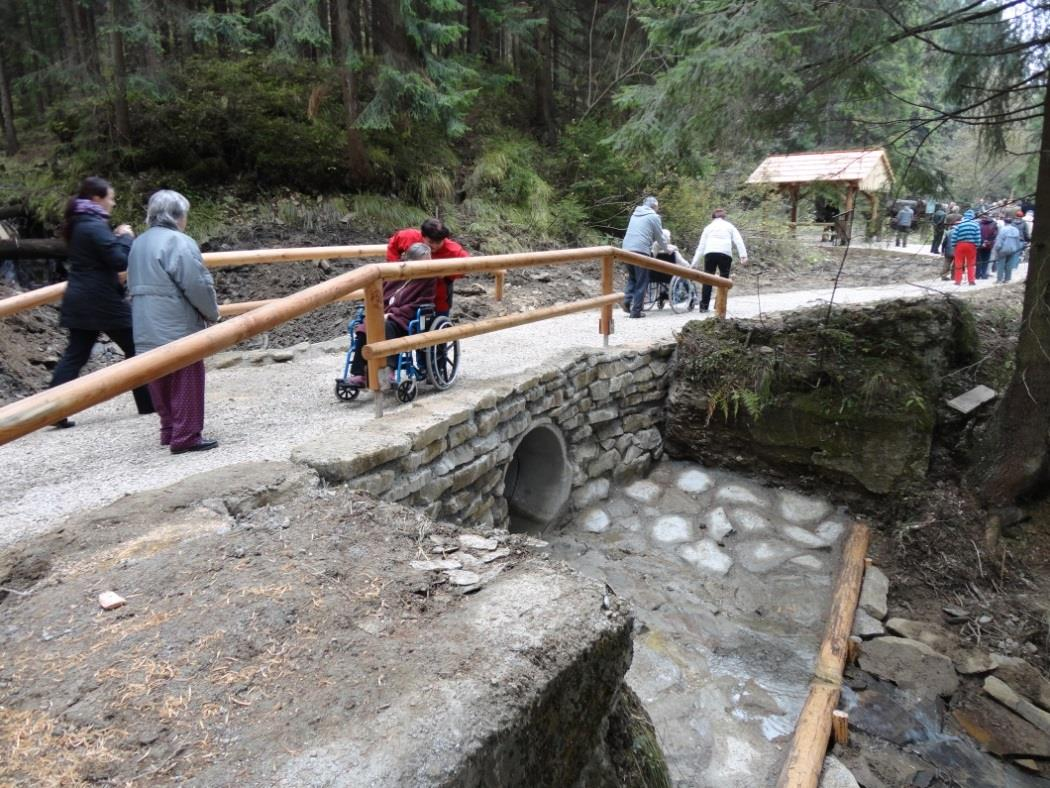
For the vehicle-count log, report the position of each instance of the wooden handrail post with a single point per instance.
(499, 277)
(605, 322)
(375, 328)
(721, 301)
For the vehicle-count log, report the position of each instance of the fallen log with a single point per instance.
(33, 249)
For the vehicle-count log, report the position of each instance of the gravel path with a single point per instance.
(262, 413)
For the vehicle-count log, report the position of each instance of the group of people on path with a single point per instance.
(980, 246)
(646, 235)
(170, 294)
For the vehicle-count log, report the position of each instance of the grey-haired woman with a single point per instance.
(172, 296)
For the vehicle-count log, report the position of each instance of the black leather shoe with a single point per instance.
(65, 424)
(637, 315)
(625, 307)
(204, 445)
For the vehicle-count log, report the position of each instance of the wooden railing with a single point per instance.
(47, 407)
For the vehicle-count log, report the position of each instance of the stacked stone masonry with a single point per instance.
(449, 454)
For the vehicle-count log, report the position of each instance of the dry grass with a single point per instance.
(37, 750)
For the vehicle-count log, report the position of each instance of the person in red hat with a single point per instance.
(435, 235)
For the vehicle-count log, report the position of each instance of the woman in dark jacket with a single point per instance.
(94, 301)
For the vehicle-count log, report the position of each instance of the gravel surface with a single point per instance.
(262, 413)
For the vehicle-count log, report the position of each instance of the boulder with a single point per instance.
(874, 593)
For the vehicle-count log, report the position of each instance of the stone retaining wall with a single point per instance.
(448, 453)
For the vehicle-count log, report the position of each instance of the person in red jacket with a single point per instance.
(435, 235)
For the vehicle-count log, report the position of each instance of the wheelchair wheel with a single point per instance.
(406, 390)
(652, 296)
(344, 391)
(683, 295)
(443, 358)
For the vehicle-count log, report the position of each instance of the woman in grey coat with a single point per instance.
(172, 296)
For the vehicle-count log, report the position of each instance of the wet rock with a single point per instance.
(897, 716)
(765, 555)
(750, 521)
(867, 626)
(1024, 678)
(651, 672)
(736, 493)
(909, 664)
(671, 529)
(969, 661)
(998, 730)
(836, 775)
(591, 493)
(797, 508)
(874, 593)
(718, 524)
(694, 481)
(643, 491)
(706, 555)
(463, 577)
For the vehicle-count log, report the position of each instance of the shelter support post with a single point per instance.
(605, 322)
(793, 189)
(851, 198)
(499, 277)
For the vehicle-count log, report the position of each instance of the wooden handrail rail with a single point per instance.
(47, 407)
(53, 293)
(809, 745)
(389, 347)
(241, 307)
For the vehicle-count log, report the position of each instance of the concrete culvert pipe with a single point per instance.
(538, 480)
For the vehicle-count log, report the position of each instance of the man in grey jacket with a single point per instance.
(643, 231)
(172, 296)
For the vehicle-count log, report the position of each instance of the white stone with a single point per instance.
(694, 481)
(463, 577)
(808, 562)
(803, 537)
(644, 491)
(800, 509)
(436, 565)
(475, 542)
(747, 520)
(735, 493)
(706, 555)
(672, 528)
(718, 524)
(765, 555)
(592, 492)
(596, 521)
(110, 600)
(830, 531)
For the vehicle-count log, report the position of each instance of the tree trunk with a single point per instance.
(1014, 457)
(357, 158)
(473, 27)
(7, 109)
(33, 249)
(544, 82)
(69, 33)
(89, 40)
(120, 73)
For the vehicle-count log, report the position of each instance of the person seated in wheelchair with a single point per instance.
(672, 255)
(401, 302)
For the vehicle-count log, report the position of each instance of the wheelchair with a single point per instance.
(665, 289)
(437, 365)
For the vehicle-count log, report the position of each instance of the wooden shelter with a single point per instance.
(866, 170)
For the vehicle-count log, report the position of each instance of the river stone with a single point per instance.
(765, 555)
(866, 626)
(1024, 678)
(797, 508)
(909, 664)
(718, 525)
(747, 520)
(874, 592)
(463, 577)
(933, 635)
(672, 528)
(969, 661)
(596, 521)
(808, 562)
(707, 555)
(644, 491)
(435, 565)
(591, 493)
(694, 481)
(736, 493)
(803, 537)
(830, 531)
(836, 775)
(475, 542)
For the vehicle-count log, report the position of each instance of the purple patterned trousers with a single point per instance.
(179, 400)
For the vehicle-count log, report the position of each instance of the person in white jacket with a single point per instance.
(716, 250)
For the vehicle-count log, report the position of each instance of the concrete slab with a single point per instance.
(972, 399)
